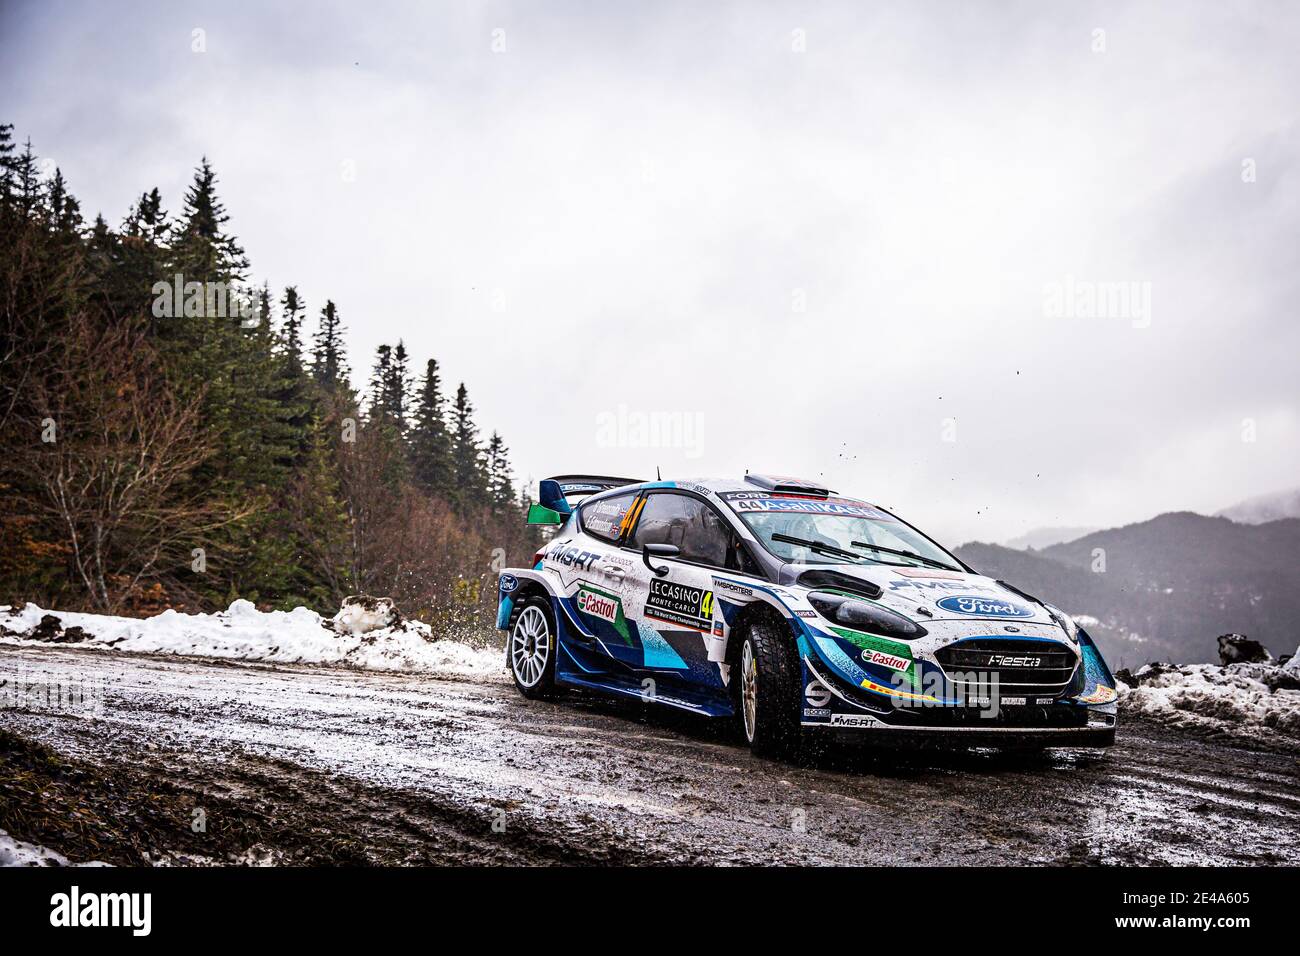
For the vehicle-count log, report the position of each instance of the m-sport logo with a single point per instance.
(1008, 660)
(984, 607)
(75, 908)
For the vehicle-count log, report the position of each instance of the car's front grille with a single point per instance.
(1017, 665)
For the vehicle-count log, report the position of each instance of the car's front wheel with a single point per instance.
(532, 649)
(769, 690)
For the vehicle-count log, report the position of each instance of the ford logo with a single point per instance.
(984, 607)
(508, 583)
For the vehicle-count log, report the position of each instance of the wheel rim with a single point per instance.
(530, 646)
(748, 689)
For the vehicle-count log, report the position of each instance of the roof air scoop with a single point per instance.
(791, 486)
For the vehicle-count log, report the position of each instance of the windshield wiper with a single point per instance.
(824, 547)
(904, 554)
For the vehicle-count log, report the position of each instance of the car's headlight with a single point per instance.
(864, 616)
(1066, 622)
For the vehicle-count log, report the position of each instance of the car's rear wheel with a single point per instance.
(532, 649)
(769, 690)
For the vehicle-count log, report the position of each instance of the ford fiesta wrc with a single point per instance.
(796, 611)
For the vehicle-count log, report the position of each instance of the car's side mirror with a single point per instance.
(660, 550)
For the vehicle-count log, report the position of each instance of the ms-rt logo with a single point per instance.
(75, 908)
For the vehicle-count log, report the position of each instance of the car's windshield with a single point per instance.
(836, 531)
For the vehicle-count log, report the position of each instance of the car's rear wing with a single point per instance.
(553, 506)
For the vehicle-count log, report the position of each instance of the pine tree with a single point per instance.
(291, 307)
(397, 386)
(7, 164)
(141, 258)
(26, 181)
(264, 316)
(380, 402)
(430, 440)
(329, 365)
(202, 249)
(500, 488)
(64, 210)
(147, 220)
(468, 476)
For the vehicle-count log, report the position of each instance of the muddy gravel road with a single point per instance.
(307, 764)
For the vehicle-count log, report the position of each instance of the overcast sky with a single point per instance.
(822, 239)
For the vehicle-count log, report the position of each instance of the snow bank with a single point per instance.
(17, 853)
(1252, 701)
(243, 632)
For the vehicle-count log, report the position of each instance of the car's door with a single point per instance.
(678, 618)
(599, 594)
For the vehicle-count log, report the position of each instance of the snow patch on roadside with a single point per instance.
(1250, 701)
(17, 853)
(242, 632)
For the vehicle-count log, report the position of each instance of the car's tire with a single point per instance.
(531, 648)
(768, 689)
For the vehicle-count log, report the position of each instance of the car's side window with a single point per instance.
(697, 530)
(604, 518)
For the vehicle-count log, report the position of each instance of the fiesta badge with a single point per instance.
(984, 606)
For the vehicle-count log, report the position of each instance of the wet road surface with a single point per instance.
(424, 770)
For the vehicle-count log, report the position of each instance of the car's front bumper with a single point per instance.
(829, 706)
(957, 737)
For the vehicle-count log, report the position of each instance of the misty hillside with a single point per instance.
(1170, 585)
(1262, 508)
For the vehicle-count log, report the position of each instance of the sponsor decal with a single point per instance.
(681, 604)
(816, 711)
(853, 720)
(879, 650)
(605, 518)
(984, 606)
(1101, 695)
(871, 685)
(507, 583)
(1014, 660)
(817, 694)
(571, 556)
(892, 661)
(599, 603)
(731, 587)
(931, 585)
(746, 501)
(568, 487)
(717, 628)
(806, 613)
(1011, 701)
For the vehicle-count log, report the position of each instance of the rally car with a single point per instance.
(800, 612)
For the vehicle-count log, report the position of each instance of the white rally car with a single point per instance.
(795, 609)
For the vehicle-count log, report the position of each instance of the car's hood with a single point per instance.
(946, 595)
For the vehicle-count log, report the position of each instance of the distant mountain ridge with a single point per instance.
(1170, 585)
(1039, 538)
